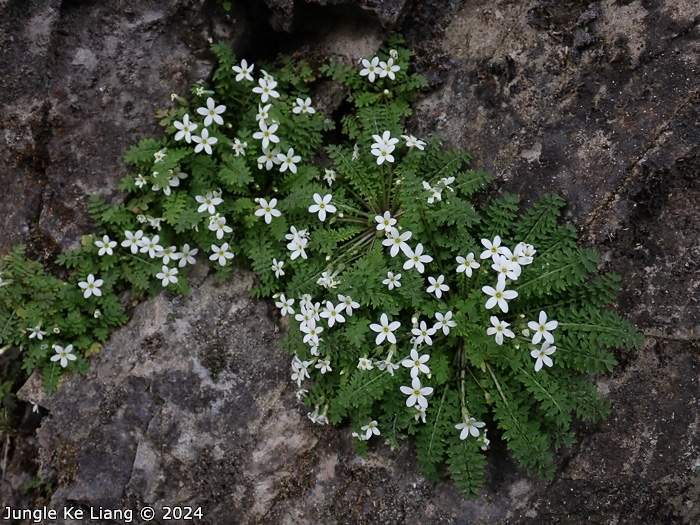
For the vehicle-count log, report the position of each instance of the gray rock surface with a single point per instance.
(598, 101)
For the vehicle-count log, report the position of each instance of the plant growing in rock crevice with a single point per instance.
(411, 312)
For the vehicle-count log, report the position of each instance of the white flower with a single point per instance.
(437, 286)
(167, 275)
(262, 113)
(370, 68)
(140, 181)
(301, 394)
(435, 193)
(423, 334)
(277, 267)
(322, 206)
(383, 153)
(384, 222)
(413, 142)
(525, 253)
(91, 286)
(398, 241)
(506, 268)
(211, 113)
(36, 332)
(267, 77)
(417, 363)
(310, 330)
(392, 281)
(420, 413)
(370, 429)
(169, 253)
(329, 177)
(204, 142)
(416, 394)
(499, 329)
(492, 248)
(160, 155)
(499, 296)
(386, 139)
(218, 224)
(470, 426)
(208, 203)
(444, 321)
(297, 247)
(364, 364)
(269, 159)
(416, 259)
(268, 210)
(133, 240)
(220, 254)
(239, 147)
(467, 264)
(151, 246)
(542, 329)
(285, 305)
(244, 71)
(187, 255)
(333, 313)
(388, 68)
(348, 303)
(324, 365)
(288, 161)
(542, 355)
(484, 441)
(387, 364)
(355, 152)
(63, 355)
(384, 330)
(328, 279)
(304, 106)
(105, 246)
(266, 89)
(185, 129)
(154, 222)
(267, 134)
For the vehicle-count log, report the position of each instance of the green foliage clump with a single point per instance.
(412, 313)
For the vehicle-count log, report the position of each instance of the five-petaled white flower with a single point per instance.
(384, 222)
(383, 153)
(263, 112)
(288, 161)
(416, 259)
(413, 142)
(133, 240)
(267, 134)
(285, 305)
(370, 68)
(387, 365)
(444, 321)
(324, 365)
(398, 241)
(243, 71)
(105, 246)
(417, 393)
(303, 106)
(437, 286)
(470, 426)
(204, 142)
(208, 203)
(492, 247)
(91, 286)
(388, 68)
(169, 253)
(167, 275)
(211, 113)
(311, 331)
(187, 256)
(266, 89)
(384, 330)
(63, 355)
(392, 281)
(239, 147)
(329, 177)
(267, 209)
(542, 329)
(140, 181)
(220, 254)
(185, 129)
(349, 303)
(268, 159)
(365, 364)
(467, 264)
(333, 313)
(499, 295)
(499, 329)
(506, 268)
(423, 334)
(277, 267)
(218, 224)
(417, 362)
(542, 355)
(36, 332)
(370, 429)
(322, 206)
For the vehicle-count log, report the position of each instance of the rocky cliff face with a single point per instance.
(191, 403)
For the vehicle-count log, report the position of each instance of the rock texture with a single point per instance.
(190, 402)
